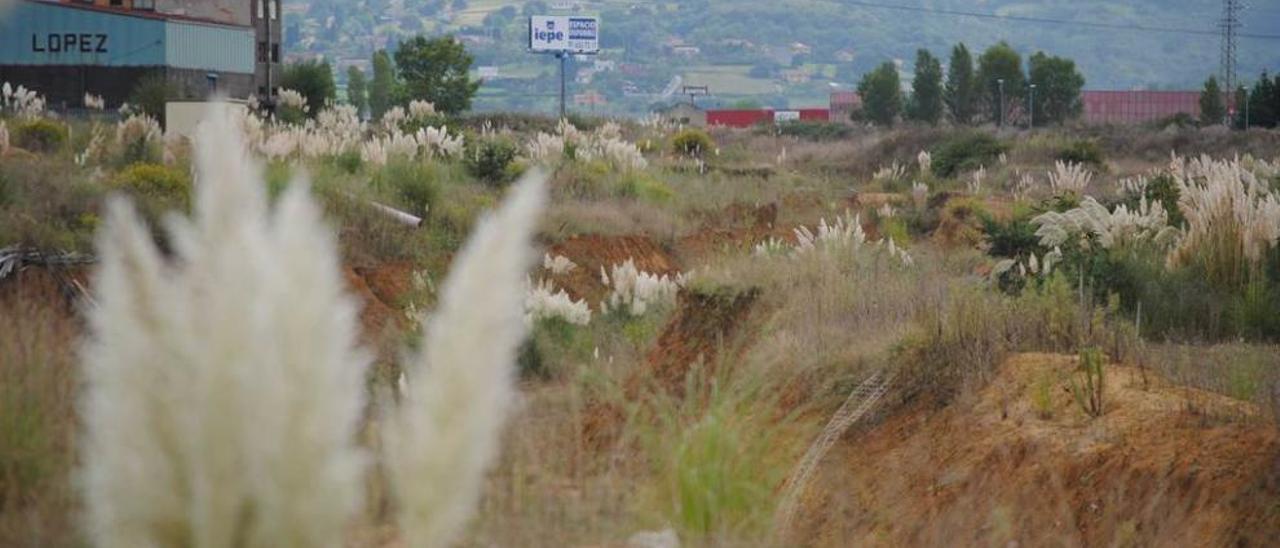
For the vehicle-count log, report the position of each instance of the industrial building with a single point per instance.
(66, 48)
(1137, 107)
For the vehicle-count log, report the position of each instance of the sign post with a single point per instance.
(564, 35)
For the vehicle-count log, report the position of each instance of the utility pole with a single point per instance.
(1000, 82)
(562, 55)
(1246, 108)
(1032, 111)
(1230, 27)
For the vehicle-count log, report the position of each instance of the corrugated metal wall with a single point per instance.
(40, 34)
(34, 33)
(207, 47)
(1132, 107)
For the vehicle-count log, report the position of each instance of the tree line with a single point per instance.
(994, 89)
(436, 70)
(1256, 107)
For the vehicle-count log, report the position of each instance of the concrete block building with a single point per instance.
(66, 48)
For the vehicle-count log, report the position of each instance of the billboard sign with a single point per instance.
(564, 34)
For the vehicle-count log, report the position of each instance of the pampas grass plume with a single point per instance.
(224, 389)
(461, 386)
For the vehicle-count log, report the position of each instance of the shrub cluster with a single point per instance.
(964, 152)
(490, 160)
(693, 143)
(40, 135)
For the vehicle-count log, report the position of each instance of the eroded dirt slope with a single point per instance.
(1164, 466)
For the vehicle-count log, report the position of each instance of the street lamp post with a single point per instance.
(1000, 82)
(1032, 112)
(1246, 109)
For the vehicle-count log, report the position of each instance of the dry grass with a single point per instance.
(37, 425)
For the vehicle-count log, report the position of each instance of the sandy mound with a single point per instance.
(1164, 465)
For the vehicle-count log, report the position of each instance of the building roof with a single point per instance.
(141, 14)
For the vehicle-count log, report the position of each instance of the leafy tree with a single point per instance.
(1058, 85)
(1262, 102)
(383, 87)
(881, 93)
(926, 89)
(437, 70)
(357, 94)
(314, 80)
(151, 93)
(534, 7)
(1212, 109)
(1000, 63)
(961, 87)
(1237, 108)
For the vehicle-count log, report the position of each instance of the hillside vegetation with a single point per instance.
(469, 329)
(842, 40)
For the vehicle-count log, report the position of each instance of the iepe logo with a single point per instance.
(550, 35)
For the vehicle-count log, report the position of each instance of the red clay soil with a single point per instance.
(390, 282)
(1163, 466)
(593, 252)
(702, 326)
(376, 316)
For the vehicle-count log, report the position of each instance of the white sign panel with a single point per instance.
(786, 116)
(564, 33)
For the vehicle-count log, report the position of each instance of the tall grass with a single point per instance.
(37, 423)
(461, 385)
(223, 389)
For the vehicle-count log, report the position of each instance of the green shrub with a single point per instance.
(1082, 151)
(719, 456)
(1042, 396)
(150, 95)
(416, 185)
(1014, 238)
(1088, 384)
(154, 181)
(40, 135)
(692, 142)
(1162, 189)
(641, 186)
(349, 161)
(964, 152)
(490, 159)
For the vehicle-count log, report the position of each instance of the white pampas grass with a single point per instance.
(975, 182)
(844, 232)
(926, 162)
(138, 128)
(1109, 229)
(892, 172)
(920, 195)
(544, 302)
(1232, 215)
(446, 433)
(421, 110)
(558, 264)
(1069, 177)
(94, 102)
(635, 291)
(4, 137)
(223, 391)
(604, 144)
(289, 98)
